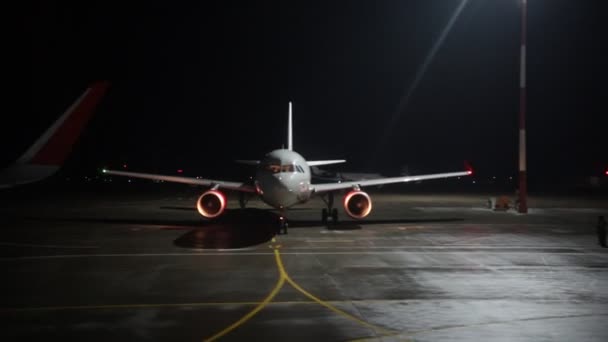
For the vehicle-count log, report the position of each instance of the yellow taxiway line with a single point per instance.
(284, 277)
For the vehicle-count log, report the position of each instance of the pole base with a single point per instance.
(522, 207)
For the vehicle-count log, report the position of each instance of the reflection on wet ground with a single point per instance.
(150, 269)
(236, 228)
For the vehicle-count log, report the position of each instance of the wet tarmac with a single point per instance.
(420, 268)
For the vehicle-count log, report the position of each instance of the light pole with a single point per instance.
(523, 184)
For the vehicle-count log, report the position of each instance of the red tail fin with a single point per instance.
(53, 147)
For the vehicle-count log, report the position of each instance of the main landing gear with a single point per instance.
(330, 211)
(243, 199)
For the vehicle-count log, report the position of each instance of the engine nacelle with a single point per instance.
(357, 204)
(211, 204)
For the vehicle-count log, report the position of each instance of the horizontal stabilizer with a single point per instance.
(248, 162)
(324, 162)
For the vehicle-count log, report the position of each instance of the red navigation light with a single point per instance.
(180, 171)
(468, 167)
(124, 166)
(606, 173)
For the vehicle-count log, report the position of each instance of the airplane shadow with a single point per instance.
(241, 228)
(185, 224)
(341, 225)
(354, 225)
(182, 208)
(237, 228)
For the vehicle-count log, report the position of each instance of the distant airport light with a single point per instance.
(124, 166)
(180, 171)
(104, 171)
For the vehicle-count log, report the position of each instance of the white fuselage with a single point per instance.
(283, 179)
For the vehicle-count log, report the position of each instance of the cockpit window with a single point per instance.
(274, 168)
(287, 168)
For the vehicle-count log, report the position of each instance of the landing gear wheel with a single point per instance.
(324, 216)
(242, 200)
(283, 225)
(334, 215)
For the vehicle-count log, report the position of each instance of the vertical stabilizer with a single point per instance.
(289, 130)
(49, 151)
(54, 145)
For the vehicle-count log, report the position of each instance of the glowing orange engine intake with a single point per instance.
(357, 204)
(211, 204)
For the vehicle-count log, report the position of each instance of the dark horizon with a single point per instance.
(195, 86)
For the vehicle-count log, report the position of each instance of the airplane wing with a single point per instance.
(317, 188)
(324, 162)
(185, 180)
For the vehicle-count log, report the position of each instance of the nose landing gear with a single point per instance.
(283, 225)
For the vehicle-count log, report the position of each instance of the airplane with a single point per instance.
(46, 155)
(282, 180)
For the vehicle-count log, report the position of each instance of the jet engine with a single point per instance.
(357, 204)
(211, 203)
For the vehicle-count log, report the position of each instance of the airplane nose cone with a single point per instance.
(277, 193)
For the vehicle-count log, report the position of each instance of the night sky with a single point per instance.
(196, 85)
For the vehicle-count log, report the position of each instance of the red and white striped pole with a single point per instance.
(523, 184)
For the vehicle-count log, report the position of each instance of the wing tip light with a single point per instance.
(468, 167)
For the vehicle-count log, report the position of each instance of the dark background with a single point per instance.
(197, 84)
